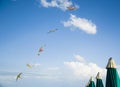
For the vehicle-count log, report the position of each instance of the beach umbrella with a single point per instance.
(91, 82)
(87, 85)
(99, 82)
(112, 78)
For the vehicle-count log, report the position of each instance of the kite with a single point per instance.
(28, 65)
(41, 50)
(71, 8)
(18, 76)
(53, 30)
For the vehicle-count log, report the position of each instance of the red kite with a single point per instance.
(41, 50)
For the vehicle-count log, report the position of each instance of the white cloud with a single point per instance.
(79, 58)
(81, 23)
(53, 68)
(49, 4)
(37, 65)
(7, 77)
(82, 69)
(62, 4)
(43, 73)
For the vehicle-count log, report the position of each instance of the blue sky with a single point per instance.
(85, 39)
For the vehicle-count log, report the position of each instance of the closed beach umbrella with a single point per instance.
(91, 84)
(87, 85)
(99, 82)
(112, 78)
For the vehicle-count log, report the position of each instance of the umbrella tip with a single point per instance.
(111, 63)
(87, 84)
(98, 76)
(110, 58)
(91, 78)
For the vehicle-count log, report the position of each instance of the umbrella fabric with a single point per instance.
(99, 82)
(112, 78)
(91, 84)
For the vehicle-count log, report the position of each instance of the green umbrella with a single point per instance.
(99, 82)
(91, 82)
(87, 85)
(112, 78)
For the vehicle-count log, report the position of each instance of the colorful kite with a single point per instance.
(71, 8)
(18, 76)
(29, 66)
(53, 30)
(41, 50)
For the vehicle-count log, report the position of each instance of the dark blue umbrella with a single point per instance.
(112, 78)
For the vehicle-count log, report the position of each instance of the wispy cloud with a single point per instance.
(7, 77)
(84, 69)
(79, 58)
(43, 73)
(81, 23)
(62, 4)
(73, 70)
(37, 65)
(34, 73)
